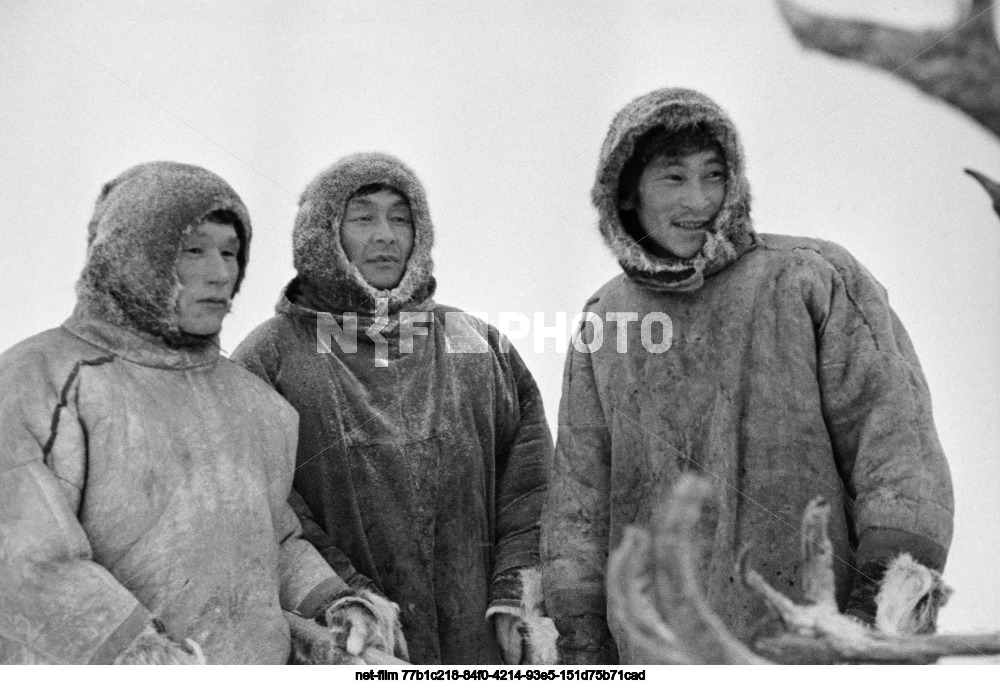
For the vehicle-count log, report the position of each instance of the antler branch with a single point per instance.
(654, 594)
(822, 635)
(991, 186)
(655, 599)
(960, 66)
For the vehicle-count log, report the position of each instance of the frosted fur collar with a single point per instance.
(732, 233)
(133, 242)
(319, 257)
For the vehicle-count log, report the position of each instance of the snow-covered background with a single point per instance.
(501, 108)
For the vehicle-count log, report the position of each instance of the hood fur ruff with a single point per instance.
(319, 257)
(134, 240)
(732, 233)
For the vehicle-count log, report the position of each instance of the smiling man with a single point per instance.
(676, 199)
(144, 479)
(422, 470)
(786, 376)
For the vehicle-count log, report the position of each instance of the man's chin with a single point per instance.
(201, 328)
(382, 281)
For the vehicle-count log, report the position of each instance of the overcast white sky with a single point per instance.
(501, 109)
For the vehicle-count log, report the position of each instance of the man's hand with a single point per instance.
(363, 620)
(154, 647)
(510, 635)
(353, 625)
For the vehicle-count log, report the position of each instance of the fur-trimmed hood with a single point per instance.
(732, 233)
(324, 271)
(134, 240)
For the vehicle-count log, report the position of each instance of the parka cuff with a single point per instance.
(320, 596)
(514, 561)
(124, 634)
(861, 603)
(585, 640)
(359, 582)
(517, 592)
(882, 544)
(505, 590)
(577, 600)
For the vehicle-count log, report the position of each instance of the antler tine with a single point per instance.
(817, 554)
(679, 596)
(982, 12)
(991, 186)
(630, 607)
(960, 66)
(784, 606)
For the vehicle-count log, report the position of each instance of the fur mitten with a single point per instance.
(312, 644)
(361, 619)
(154, 647)
(525, 635)
(909, 598)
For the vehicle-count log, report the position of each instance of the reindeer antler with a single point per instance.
(959, 65)
(991, 187)
(653, 591)
(655, 599)
(821, 634)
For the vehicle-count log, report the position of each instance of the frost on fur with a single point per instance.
(366, 620)
(909, 598)
(654, 595)
(538, 632)
(152, 647)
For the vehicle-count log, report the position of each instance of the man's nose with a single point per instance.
(218, 270)
(696, 195)
(383, 231)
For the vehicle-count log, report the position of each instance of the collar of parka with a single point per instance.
(731, 234)
(319, 256)
(134, 241)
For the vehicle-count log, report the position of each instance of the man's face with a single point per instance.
(207, 270)
(377, 236)
(677, 200)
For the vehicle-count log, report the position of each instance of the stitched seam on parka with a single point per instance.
(64, 400)
(847, 292)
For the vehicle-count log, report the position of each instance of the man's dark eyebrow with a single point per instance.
(362, 200)
(716, 158)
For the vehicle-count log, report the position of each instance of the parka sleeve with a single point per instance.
(308, 583)
(313, 533)
(311, 575)
(877, 408)
(56, 604)
(575, 523)
(524, 457)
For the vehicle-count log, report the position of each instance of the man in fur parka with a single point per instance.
(423, 448)
(775, 367)
(144, 479)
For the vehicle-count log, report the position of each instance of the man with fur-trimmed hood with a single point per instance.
(423, 447)
(144, 480)
(771, 364)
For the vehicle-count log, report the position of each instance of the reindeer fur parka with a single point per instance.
(787, 376)
(422, 468)
(141, 475)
